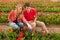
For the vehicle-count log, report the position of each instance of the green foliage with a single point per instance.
(48, 9)
(8, 36)
(49, 18)
(46, 18)
(3, 18)
(40, 6)
(29, 36)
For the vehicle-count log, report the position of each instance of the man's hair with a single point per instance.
(27, 4)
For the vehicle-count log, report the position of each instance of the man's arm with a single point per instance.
(26, 22)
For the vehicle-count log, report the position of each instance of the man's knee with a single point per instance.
(20, 24)
(40, 23)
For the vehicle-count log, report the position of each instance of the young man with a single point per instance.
(30, 15)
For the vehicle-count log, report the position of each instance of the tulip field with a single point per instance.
(24, 35)
(48, 12)
(40, 5)
(48, 19)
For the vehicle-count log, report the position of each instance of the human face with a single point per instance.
(28, 9)
(19, 9)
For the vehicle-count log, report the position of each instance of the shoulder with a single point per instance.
(33, 9)
(11, 11)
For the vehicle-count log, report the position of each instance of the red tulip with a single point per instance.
(25, 28)
(42, 14)
(1, 29)
(43, 31)
(59, 17)
(18, 39)
(1, 13)
(20, 36)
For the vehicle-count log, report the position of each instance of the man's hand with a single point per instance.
(29, 26)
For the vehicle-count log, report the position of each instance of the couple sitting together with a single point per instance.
(18, 17)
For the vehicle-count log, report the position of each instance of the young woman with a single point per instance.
(14, 17)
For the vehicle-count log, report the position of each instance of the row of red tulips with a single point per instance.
(46, 18)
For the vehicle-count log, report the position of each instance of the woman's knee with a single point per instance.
(13, 25)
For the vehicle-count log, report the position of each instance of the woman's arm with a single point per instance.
(9, 17)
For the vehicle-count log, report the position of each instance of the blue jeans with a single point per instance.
(16, 26)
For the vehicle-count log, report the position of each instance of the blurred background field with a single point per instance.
(40, 5)
(43, 7)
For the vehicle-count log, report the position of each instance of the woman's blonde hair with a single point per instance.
(19, 5)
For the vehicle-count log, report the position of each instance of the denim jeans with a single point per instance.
(16, 26)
